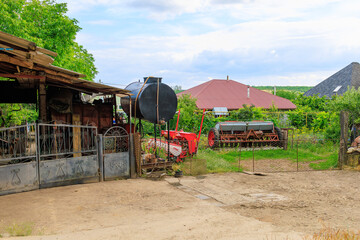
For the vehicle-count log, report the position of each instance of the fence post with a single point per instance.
(37, 143)
(344, 125)
(342, 153)
(132, 156)
(239, 158)
(253, 168)
(297, 155)
(99, 143)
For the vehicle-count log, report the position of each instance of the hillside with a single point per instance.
(288, 88)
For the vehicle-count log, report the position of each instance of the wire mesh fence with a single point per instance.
(253, 156)
(284, 155)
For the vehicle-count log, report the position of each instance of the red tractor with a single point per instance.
(180, 144)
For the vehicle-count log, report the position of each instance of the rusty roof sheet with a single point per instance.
(233, 95)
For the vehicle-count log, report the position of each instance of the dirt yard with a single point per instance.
(213, 206)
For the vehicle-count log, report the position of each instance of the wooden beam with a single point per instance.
(42, 101)
(21, 76)
(46, 51)
(54, 78)
(36, 57)
(20, 53)
(7, 67)
(15, 61)
(54, 73)
(41, 58)
(25, 44)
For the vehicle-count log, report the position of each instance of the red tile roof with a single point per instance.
(232, 94)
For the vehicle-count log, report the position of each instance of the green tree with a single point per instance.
(349, 101)
(247, 113)
(315, 103)
(45, 23)
(17, 114)
(177, 89)
(188, 121)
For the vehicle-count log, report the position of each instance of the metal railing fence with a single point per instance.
(60, 140)
(18, 144)
(116, 144)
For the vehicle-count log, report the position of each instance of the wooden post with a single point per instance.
(99, 141)
(342, 154)
(344, 125)
(137, 152)
(42, 100)
(76, 136)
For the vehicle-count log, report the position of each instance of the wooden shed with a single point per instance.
(28, 76)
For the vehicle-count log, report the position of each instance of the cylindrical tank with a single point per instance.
(146, 105)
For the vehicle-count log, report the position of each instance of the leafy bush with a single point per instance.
(298, 118)
(321, 121)
(349, 101)
(247, 113)
(332, 130)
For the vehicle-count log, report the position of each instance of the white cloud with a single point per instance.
(234, 36)
(293, 79)
(247, 38)
(102, 22)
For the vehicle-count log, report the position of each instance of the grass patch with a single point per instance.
(321, 155)
(331, 162)
(215, 162)
(194, 167)
(328, 233)
(23, 229)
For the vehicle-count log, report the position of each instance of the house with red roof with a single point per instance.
(233, 95)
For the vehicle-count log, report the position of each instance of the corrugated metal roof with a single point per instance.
(233, 95)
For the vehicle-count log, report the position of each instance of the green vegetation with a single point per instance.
(177, 89)
(17, 230)
(194, 167)
(17, 114)
(319, 155)
(301, 89)
(320, 116)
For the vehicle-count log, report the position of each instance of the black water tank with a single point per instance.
(147, 100)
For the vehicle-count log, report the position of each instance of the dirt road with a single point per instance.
(214, 206)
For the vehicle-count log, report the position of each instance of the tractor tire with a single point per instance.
(280, 136)
(213, 138)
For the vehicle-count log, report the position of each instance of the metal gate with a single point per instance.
(116, 162)
(45, 155)
(67, 154)
(18, 164)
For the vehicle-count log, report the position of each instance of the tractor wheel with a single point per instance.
(280, 136)
(213, 138)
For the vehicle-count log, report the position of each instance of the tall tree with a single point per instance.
(45, 23)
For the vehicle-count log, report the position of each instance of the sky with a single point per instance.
(189, 42)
